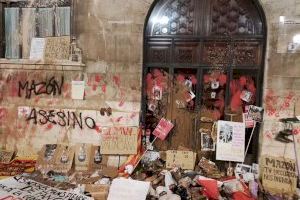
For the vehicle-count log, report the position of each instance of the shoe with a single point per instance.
(289, 120)
(283, 137)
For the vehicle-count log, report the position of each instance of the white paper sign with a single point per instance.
(37, 48)
(20, 188)
(230, 141)
(127, 189)
(77, 90)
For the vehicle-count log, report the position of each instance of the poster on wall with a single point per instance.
(279, 174)
(230, 141)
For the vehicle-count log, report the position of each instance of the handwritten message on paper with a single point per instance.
(121, 141)
(22, 188)
(182, 159)
(279, 174)
(230, 141)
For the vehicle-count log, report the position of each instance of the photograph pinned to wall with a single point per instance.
(255, 113)
(152, 105)
(215, 84)
(188, 83)
(242, 169)
(246, 96)
(249, 122)
(189, 96)
(255, 170)
(207, 143)
(157, 92)
(230, 141)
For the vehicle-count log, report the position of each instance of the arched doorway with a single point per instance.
(203, 61)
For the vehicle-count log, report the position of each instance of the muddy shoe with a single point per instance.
(282, 136)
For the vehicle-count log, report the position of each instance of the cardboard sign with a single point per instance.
(19, 188)
(97, 159)
(230, 141)
(127, 189)
(279, 174)
(120, 141)
(82, 157)
(47, 157)
(163, 128)
(255, 113)
(6, 156)
(64, 159)
(57, 48)
(182, 159)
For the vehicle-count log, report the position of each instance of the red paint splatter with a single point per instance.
(132, 115)
(98, 78)
(180, 78)
(119, 119)
(117, 80)
(98, 129)
(222, 79)
(3, 113)
(103, 88)
(206, 78)
(194, 79)
(37, 99)
(49, 127)
(94, 87)
(243, 81)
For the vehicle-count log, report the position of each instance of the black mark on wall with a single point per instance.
(50, 87)
(61, 118)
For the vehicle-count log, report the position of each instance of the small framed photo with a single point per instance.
(207, 143)
(215, 85)
(188, 83)
(157, 93)
(242, 169)
(246, 96)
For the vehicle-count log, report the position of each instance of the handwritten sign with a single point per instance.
(19, 188)
(279, 174)
(230, 141)
(127, 189)
(121, 141)
(182, 159)
(163, 128)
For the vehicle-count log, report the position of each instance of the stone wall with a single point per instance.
(110, 33)
(281, 81)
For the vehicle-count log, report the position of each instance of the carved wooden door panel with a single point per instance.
(200, 56)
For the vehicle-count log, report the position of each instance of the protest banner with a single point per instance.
(21, 188)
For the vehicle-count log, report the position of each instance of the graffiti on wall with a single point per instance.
(49, 87)
(61, 118)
